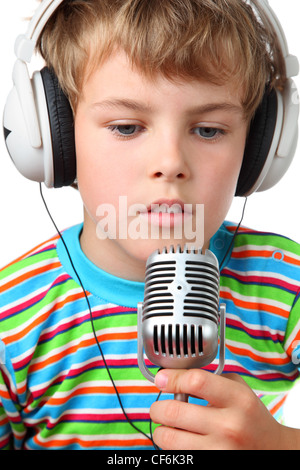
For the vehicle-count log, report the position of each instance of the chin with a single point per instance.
(142, 249)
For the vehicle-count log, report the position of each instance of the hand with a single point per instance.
(234, 419)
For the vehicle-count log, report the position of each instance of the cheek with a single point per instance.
(221, 174)
(220, 189)
(103, 175)
(90, 170)
(230, 164)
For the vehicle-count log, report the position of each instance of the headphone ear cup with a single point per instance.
(28, 149)
(62, 130)
(259, 143)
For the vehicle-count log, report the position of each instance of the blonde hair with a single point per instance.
(212, 40)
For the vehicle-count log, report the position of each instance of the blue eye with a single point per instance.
(126, 129)
(207, 132)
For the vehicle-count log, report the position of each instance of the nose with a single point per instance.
(168, 162)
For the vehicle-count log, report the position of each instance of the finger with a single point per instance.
(176, 439)
(219, 391)
(234, 377)
(186, 416)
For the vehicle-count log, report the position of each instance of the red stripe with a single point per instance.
(254, 332)
(246, 279)
(48, 245)
(97, 418)
(122, 363)
(77, 321)
(33, 300)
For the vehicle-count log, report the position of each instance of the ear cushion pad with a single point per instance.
(62, 130)
(258, 143)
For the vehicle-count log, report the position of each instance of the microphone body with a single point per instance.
(180, 322)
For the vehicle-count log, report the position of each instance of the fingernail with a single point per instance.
(161, 380)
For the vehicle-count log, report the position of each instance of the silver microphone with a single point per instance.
(180, 323)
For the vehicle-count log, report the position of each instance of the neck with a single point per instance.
(125, 259)
(107, 255)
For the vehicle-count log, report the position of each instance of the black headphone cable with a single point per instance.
(93, 326)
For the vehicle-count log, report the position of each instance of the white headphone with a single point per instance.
(39, 129)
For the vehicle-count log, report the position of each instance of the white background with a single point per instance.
(23, 220)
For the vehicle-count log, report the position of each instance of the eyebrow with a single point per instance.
(123, 103)
(211, 107)
(141, 107)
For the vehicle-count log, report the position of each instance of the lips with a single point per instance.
(168, 213)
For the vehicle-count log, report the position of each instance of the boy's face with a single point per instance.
(154, 144)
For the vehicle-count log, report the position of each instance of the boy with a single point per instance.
(163, 94)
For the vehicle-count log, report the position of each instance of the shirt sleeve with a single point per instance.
(12, 429)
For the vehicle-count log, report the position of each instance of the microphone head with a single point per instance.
(180, 312)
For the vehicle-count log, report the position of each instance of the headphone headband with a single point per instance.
(291, 61)
(25, 43)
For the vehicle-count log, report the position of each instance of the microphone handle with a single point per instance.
(181, 397)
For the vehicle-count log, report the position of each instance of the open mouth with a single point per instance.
(166, 209)
(168, 213)
(166, 206)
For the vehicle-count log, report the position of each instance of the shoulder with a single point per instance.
(27, 267)
(36, 295)
(26, 282)
(265, 259)
(253, 243)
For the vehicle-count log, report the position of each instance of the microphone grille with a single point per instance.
(160, 273)
(203, 279)
(182, 280)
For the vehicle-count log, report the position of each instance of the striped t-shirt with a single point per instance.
(55, 391)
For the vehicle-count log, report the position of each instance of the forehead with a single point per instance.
(117, 79)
